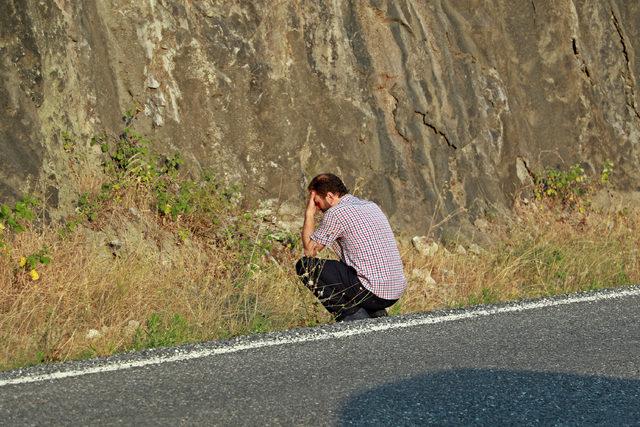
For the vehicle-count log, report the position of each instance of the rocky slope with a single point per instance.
(424, 106)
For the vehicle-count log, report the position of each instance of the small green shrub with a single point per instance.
(32, 261)
(161, 331)
(87, 208)
(130, 158)
(566, 186)
(68, 142)
(607, 170)
(20, 215)
(260, 323)
(485, 296)
(571, 186)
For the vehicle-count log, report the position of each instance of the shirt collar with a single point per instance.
(345, 198)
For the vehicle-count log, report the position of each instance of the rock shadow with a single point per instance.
(490, 397)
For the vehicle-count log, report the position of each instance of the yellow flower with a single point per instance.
(1, 226)
(23, 261)
(34, 274)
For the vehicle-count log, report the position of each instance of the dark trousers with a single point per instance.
(337, 287)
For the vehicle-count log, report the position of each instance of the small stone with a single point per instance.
(424, 276)
(424, 247)
(264, 210)
(152, 83)
(158, 120)
(93, 334)
(481, 224)
(131, 327)
(475, 249)
(460, 250)
(115, 244)
(133, 324)
(134, 211)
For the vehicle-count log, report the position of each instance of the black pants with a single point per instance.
(337, 287)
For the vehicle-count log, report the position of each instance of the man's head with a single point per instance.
(328, 190)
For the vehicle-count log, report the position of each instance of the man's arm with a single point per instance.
(311, 248)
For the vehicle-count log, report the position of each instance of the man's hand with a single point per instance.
(311, 204)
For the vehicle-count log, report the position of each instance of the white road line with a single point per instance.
(356, 329)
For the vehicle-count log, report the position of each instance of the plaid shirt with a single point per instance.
(360, 234)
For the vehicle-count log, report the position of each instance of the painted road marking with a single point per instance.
(358, 328)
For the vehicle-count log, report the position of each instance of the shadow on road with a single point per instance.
(470, 396)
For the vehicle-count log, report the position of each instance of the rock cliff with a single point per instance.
(424, 106)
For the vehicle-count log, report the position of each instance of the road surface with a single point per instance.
(561, 361)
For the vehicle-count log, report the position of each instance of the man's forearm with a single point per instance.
(307, 231)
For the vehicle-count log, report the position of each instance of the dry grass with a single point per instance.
(542, 250)
(160, 288)
(130, 276)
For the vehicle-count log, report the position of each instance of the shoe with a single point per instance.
(378, 313)
(358, 315)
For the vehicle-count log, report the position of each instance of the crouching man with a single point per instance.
(369, 276)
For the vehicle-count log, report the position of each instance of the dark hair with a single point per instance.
(327, 182)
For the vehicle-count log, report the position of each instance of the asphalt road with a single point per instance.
(572, 364)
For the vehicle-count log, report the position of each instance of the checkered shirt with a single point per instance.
(360, 234)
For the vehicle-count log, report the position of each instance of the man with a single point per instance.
(369, 276)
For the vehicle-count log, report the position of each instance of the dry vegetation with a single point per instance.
(542, 250)
(152, 258)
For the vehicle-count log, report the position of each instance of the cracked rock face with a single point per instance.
(424, 107)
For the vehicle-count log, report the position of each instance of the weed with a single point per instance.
(607, 170)
(161, 331)
(485, 296)
(571, 186)
(260, 323)
(88, 353)
(20, 215)
(31, 262)
(285, 237)
(566, 186)
(68, 142)
(395, 309)
(87, 208)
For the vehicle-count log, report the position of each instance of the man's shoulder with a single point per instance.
(347, 203)
(351, 205)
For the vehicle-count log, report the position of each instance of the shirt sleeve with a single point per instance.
(329, 230)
